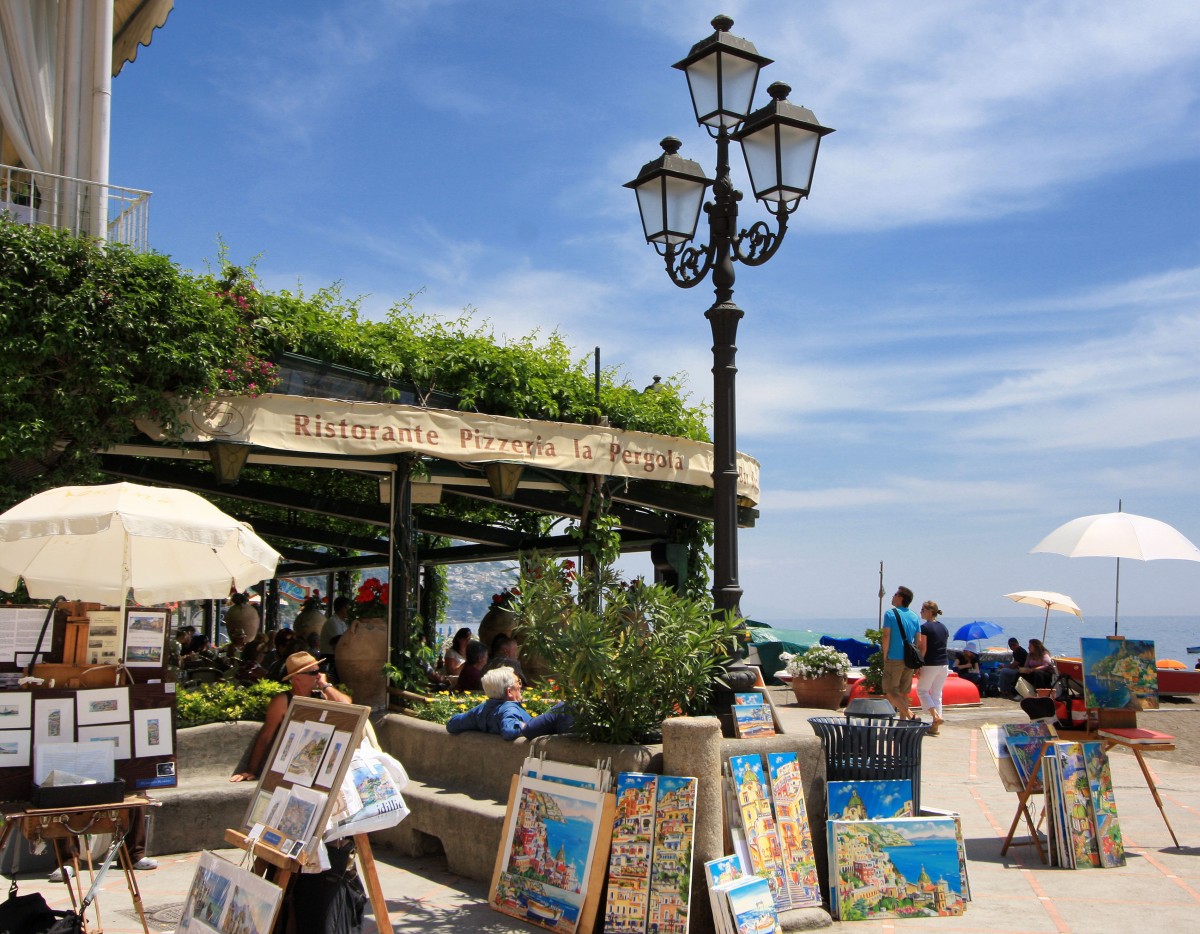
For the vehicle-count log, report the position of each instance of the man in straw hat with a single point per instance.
(304, 674)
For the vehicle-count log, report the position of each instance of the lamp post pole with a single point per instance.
(780, 143)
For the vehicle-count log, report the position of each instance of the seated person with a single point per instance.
(966, 665)
(200, 653)
(470, 676)
(504, 654)
(285, 645)
(501, 713)
(456, 655)
(558, 719)
(1038, 669)
(1012, 671)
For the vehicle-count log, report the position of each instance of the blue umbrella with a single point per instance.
(978, 630)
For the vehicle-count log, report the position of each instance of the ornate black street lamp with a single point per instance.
(779, 143)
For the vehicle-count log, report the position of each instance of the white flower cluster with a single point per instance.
(816, 661)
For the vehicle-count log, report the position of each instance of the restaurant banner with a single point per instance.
(363, 429)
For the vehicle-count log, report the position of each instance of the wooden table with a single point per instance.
(59, 825)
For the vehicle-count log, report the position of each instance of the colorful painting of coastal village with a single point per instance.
(546, 860)
(795, 833)
(1119, 674)
(671, 862)
(758, 822)
(1081, 808)
(629, 858)
(902, 868)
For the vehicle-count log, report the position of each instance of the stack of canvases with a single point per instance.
(772, 868)
(884, 862)
(650, 865)
(550, 867)
(1083, 830)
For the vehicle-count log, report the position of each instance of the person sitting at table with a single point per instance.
(966, 664)
(1012, 671)
(1038, 669)
(505, 653)
(456, 655)
(501, 713)
(470, 676)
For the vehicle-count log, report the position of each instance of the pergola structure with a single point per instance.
(421, 451)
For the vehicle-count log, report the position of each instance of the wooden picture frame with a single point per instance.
(306, 732)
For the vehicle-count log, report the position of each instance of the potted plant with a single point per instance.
(818, 676)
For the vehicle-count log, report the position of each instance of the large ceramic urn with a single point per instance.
(241, 621)
(309, 620)
(360, 655)
(495, 621)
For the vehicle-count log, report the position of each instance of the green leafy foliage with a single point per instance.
(873, 672)
(97, 336)
(627, 662)
(225, 701)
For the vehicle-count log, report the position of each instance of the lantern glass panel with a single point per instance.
(722, 88)
(670, 208)
(780, 159)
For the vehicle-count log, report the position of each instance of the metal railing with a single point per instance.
(87, 209)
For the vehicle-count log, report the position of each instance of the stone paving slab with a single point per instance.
(1158, 891)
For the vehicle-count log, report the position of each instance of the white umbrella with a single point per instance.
(96, 543)
(1048, 599)
(1118, 535)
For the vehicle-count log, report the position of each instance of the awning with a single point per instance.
(366, 429)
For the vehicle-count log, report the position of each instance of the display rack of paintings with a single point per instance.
(906, 867)
(1027, 745)
(997, 744)
(550, 868)
(299, 786)
(1082, 824)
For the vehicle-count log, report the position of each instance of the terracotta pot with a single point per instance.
(308, 621)
(241, 622)
(495, 621)
(824, 692)
(360, 656)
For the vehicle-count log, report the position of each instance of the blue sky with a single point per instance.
(983, 323)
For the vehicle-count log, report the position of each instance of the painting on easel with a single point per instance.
(1119, 674)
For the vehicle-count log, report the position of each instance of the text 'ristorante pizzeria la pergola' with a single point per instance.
(474, 439)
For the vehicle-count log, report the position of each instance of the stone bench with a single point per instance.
(195, 813)
(459, 786)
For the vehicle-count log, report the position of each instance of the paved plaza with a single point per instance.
(1158, 889)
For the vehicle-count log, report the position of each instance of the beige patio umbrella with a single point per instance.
(97, 543)
(1118, 535)
(1048, 599)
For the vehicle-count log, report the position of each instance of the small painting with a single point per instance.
(629, 855)
(152, 733)
(1120, 674)
(795, 833)
(102, 705)
(751, 721)
(870, 800)
(671, 861)
(226, 899)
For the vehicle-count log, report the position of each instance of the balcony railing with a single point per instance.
(87, 209)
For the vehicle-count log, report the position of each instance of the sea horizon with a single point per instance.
(1171, 635)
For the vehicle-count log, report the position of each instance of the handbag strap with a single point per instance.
(900, 626)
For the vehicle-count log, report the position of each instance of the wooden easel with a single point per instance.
(286, 869)
(1032, 787)
(61, 824)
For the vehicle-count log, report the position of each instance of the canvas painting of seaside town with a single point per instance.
(629, 856)
(671, 862)
(902, 868)
(546, 859)
(758, 823)
(1120, 674)
(870, 800)
(795, 832)
(1104, 804)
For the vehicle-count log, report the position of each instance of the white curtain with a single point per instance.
(29, 34)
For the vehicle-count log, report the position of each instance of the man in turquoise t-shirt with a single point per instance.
(897, 679)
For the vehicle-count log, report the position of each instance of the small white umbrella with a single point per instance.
(1048, 599)
(1118, 535)
(96, 543)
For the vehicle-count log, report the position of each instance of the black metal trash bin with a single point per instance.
(874, 750)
